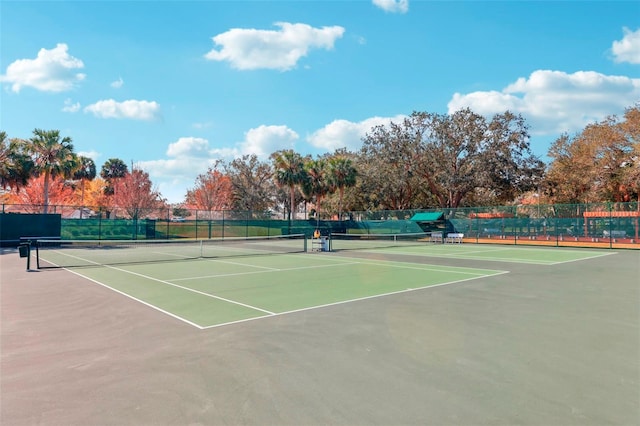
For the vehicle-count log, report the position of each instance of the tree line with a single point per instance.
(426, 161)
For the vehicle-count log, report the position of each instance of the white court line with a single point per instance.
(431, 268)
(469, 255)
(596, 255)
(466, 255)
(533, 262)
(359, 261)
(173, 285)
(262, 272)
(192, 290)
(217, 260)
(131, 297)
(342, 302)
(161, 281)
(240, 264)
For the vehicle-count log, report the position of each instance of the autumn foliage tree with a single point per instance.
(135, 193)
(213, 192)
(601, 163)
(32, 195)
(630, 127)
(85, 172)
(95, 197)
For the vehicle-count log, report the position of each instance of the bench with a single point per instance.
(454, 237)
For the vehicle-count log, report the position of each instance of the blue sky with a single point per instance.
(173, 86)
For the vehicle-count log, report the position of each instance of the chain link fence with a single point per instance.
(595, 224)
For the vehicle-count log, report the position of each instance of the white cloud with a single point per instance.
(392, 6)
(555, 102)
(131, 109)
(627, 49)
(184, 168)
(51, 71)
(69, 106)
(94, 155)
(118, 83)
(249, 49)
(265, 140)
(347, 134)
(189, 147)
(186, 159)
(188, 156)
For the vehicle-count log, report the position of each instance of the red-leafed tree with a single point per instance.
(213, 192)
(135, 193)
(32, 195)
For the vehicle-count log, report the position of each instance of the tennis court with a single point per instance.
(229, 282)
(414, 333)
(420, 246)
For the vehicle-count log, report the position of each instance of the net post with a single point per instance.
(24, 250)
(28, 256)
(305, 243)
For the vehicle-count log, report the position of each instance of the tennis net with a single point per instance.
(78, 253)
(340, 241)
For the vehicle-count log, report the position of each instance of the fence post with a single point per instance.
(100, 226)
(610, 225)
(168, 221)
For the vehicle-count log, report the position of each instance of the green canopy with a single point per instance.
(427, 217)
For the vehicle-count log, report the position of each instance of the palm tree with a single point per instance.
(341, 174)
(16, 165)
(289, 171)
(53, 156)
(112, 169)
(86, 171)
(316, 184)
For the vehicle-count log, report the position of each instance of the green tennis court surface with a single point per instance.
(517, 254)
(211, 292)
